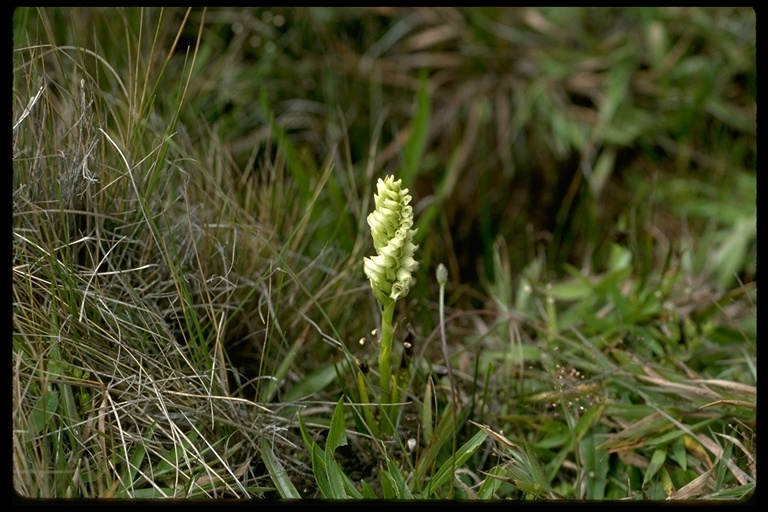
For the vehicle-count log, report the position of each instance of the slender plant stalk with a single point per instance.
(442, 279)
(385, 352)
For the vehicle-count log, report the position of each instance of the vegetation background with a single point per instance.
(190, 192)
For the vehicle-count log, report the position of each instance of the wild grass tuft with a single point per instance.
(137, 272)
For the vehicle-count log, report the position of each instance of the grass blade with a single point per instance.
(491, 484)
(43, 411)
(336, 437)
(318, 461)
(464, 453)
(277, 473)
(413, 151)
(657, 461)
(441, 436)
(400, 485)
(337, 434)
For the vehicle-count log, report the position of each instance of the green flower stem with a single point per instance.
(385, 352)
(442, 279)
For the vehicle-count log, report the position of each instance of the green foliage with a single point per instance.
(279, 476)
(447, 470)
(330, 478)
(333, 483)
(413, 150)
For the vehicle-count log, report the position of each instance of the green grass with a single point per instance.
(190, 314)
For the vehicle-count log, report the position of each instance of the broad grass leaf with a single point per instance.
(368, 492)
(277, 473)
(337, 435)
(318, 461)
(446, 470)
(491, 483)
(311, 384)
(413, 151)
(135, 462)
(657, 461)
(443, 433)
(596, 465)
(43, 411)
(397, 482)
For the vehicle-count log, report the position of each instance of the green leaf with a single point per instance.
(426, 412)
(151, 493)
(446, 427)
(666, 482)
(137, 459)
(446, 471)
(662, 440)
(388, 486)
(277, 473)
(285, 145)
(722, 466)
(602, 170)
(337, 435)
(350, 487)
(368, 492)
(617, 86)
(657, 461)
(526, 474)
(318, 461)
(491, 484)
(311, 384)
(570, 290)
(335, 477)
(731, 256)
(679, 453)
(636, 434)
(413, 151)
(400, 487)
(43, 411)
(445, 188)
(596, 465)
(586, 421)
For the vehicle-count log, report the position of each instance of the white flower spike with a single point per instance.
(390, 270)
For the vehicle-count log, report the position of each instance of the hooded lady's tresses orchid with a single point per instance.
(390, 270)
